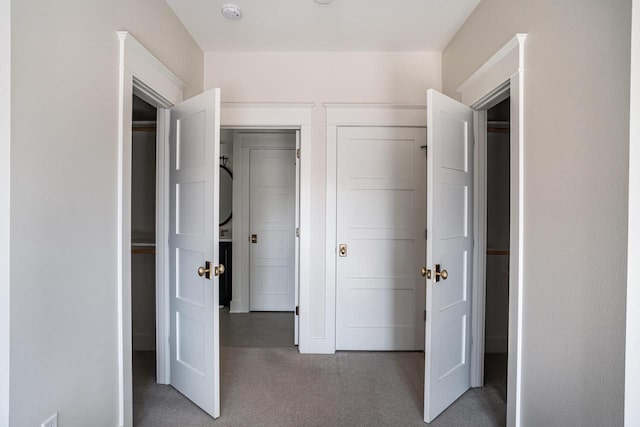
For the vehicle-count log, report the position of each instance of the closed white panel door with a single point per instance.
(449, 248)
(193, 243)
(272, 227)
(381, 236)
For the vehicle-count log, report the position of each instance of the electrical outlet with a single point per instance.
(52, 421)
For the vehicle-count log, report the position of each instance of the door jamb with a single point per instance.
(480, 90)
(142, 74)
(339, 115)
(479, 284)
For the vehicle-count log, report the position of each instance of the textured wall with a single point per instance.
(5, 196)
(576, 129)
(632, 383)
(64, 198)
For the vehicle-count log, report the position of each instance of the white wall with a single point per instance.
(5, 195)
(322, 77)
(632, 379)
(576, 121)
(63, 198)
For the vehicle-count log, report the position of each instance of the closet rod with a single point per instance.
(494, 252)
(498, 130)
(143, 251)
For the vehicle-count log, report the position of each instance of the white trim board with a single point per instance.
(279, 116)
(140, 73)
(339, 115)
(504, 64)
(632, 365)
(5, 202)
(481, 90)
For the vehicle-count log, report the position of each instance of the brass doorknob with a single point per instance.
(205, 271)
(439, 274)
(425, 272)
(218, 270)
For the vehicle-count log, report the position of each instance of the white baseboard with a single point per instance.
(236, 307)
(144, 342)
(496, 345)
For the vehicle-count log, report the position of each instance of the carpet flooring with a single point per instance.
(263, 384)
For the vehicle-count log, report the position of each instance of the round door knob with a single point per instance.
(220, 270)
(444, 274)
(202, 271)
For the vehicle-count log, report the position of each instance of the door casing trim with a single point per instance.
(142, 74)
(482, 90)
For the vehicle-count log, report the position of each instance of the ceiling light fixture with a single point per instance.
(231, 11)
(323, 1)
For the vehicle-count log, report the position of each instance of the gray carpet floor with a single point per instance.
(264, 384)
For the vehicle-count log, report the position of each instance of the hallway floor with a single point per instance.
(265, 382)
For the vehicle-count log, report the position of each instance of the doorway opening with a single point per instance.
(143, 242)
(498, 153)
(260, 241)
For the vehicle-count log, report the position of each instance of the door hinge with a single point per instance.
(298, 153)
(297, 231)
(297, 311)
(425, 315)
(426, 234)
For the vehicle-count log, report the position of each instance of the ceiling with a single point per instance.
(344, 25)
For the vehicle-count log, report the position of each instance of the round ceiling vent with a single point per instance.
(231, 11)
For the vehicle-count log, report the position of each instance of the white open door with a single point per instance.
(193, 247)
(449, 252)
(296, 318)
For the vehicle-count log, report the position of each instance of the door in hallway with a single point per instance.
(194, 142)
(381, 187)
(272, 225)
(449, 252)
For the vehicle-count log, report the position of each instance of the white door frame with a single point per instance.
(485, 88)
(280, 116)
(632, 365)
(144, 75)
(240, 231)
(339, 115)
